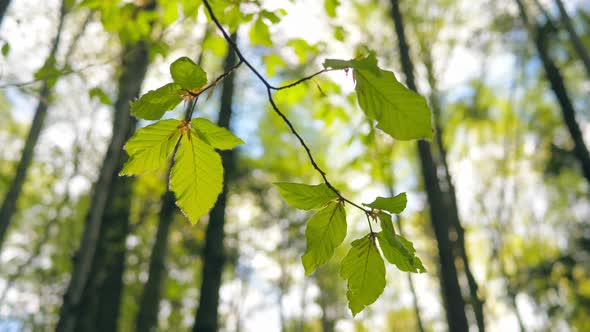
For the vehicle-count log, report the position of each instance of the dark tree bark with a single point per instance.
(147, 317)
(134, 66)
(457, 228)
(3, 8)
(575, 39)
(206, 319)
(439, 210)
(102, 296)
(559, 89)
(9, 203)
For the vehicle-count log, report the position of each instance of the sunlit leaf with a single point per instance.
(5, 49)
(197, 176)
(99, 94)
(330, 6)
(364, 270)
(325, 231)
(152, 105)
(260, 34)
(151, 147)
(186, 73)
(306, 197)
(218, 137)
(397, 249)
(399, 111)
(390, 204)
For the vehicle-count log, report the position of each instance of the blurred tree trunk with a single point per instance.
(456, 228)
(108, 202)
(439, 210)
(10, 199)
(3, 8)
(149, 305)
(102, 294)
(206, 319)
(575, 39)
(557, 83)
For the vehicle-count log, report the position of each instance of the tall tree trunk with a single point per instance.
(102, 295)
(559, 90)
(9, 204)
(439, 216)
(459, 243)
(149, 304)
(575, 39)
(206, 319)
(134, 66)
(3, 8)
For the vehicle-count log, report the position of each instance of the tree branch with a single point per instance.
(269, 89)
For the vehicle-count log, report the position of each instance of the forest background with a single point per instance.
(497, 201)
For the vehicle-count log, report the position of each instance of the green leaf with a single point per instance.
(390, 204)
(273, 62)
(364, 269)
(49, 72)
(272, 17)
(399, 251)
(386, 223)
(339, 33)
(186, 73)
(152, 105)
(325, 231)
(5, 49)
(218, 137)
(331, 6)
(169, 12)
(400, 112)
(260, 34)
(151, 147)
(197, 176)
(98, 93)
(305, 197)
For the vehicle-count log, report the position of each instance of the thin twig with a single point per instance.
(269, 89)
(282, 87)
(217, 80)
(59, 74)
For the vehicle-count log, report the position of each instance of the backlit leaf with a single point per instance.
(400, 112)
(218, 137)
(330, 6)
(197, 176)
(364, 270)
(150, 147)
(152, 105)
(99, 93)
(305, 197)
(325, 231)
(5, 49)
(186, 73)
(397, 249)
(390, 204)
(260, 34)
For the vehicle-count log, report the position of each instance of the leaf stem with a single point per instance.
(369, 222)
(307, 78)
(269, 89)
(217, 80)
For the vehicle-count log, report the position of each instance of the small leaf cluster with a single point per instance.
(402, 114)
(363, 267)
(196, 176)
